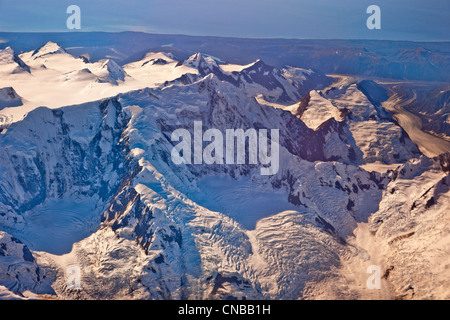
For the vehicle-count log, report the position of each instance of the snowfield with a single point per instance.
(87, 180)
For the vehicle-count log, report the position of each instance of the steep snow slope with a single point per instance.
(110, 72)
(322, 111)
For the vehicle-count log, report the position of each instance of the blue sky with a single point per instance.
(344, 19)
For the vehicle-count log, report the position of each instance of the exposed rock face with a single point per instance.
(9, 98)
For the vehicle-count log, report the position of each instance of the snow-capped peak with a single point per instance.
(111, 72)
(110, 65)
(48, 48)
(258, 66)
(150, 59)
(194, 60)
(200, 61)
(9, 59)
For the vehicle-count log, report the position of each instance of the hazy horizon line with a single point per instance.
(217, 36)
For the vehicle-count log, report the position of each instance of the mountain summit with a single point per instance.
(110, 72)
(48, 48)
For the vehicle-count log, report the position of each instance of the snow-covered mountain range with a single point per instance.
(87, 179)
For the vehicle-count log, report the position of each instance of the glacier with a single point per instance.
(89, 181)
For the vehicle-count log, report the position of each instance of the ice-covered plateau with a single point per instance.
(92, 184)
